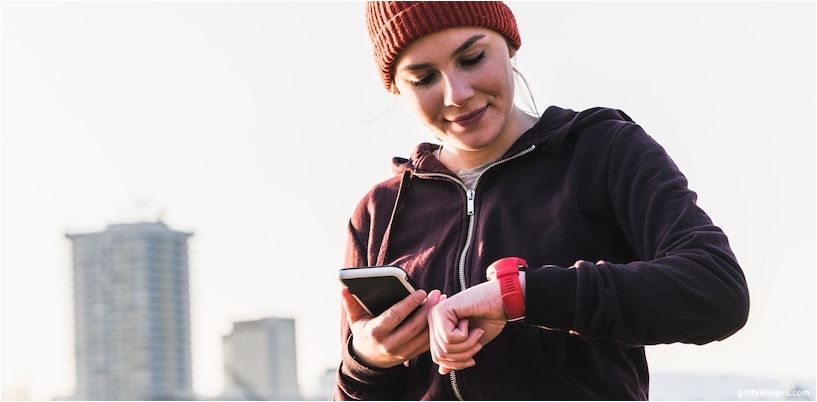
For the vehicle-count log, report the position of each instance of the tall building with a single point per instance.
(260, 360)
(132, 313)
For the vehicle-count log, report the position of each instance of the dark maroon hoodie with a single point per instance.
(589, 186)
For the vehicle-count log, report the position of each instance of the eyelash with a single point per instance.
(475, 60)
(467, 63)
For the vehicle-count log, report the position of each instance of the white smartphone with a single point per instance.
(377, 288)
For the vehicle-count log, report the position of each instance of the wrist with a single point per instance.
(506, 272)
(354, 353)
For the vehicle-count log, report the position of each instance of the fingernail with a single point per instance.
(424, 296)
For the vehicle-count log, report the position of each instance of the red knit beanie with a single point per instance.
(393, 25)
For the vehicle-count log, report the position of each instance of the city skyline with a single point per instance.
(258, 127)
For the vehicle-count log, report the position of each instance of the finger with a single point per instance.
(448, 354)
(453, 360)
(433, 342)
(455, 364)
(385, 323)
(460, 333)
(354, 311)
(459, 365)
(447, 368)
(444, 347)
(437, 324)
(409, 349)
(413, 331)
(443, 297)
(432, 315)
(467, 344)
(406, 348)
(434, 347)
(451, 331)
(460, 357)
(416, 346)
(434, 356)
(418, 323)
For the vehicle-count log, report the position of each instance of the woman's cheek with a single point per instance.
(427, 109)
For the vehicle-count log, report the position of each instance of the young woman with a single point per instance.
(618, 254)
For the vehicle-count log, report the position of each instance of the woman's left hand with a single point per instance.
(453, 344)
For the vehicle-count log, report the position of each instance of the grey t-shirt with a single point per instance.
(469, 176)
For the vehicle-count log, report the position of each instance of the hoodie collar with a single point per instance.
(547, 134)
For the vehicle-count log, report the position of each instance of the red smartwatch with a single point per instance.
(507, 273)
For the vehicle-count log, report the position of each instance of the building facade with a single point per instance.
(132, 313)
(260, 360)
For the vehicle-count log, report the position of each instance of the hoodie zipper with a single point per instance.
(470, 209)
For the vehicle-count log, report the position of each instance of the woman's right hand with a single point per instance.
(390, 338)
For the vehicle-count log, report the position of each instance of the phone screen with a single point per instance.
(377, 293)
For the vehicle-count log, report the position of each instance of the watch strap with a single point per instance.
(507, 274)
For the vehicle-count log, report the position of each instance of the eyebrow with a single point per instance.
(465, 45)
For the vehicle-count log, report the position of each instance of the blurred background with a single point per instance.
(177, 178)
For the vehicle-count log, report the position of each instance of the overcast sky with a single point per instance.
(253, 126)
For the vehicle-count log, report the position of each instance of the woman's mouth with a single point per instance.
(468, 120)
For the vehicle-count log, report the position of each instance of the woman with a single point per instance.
(619, 255)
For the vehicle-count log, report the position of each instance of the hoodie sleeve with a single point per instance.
(355, 380)
(686, 285)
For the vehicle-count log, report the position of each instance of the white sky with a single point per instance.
(248, 124)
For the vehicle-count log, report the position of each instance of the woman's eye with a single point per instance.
(474, 60)
(423, 81)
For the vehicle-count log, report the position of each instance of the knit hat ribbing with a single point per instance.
(393, 25)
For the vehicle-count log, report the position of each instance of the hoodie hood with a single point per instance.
(553, 127)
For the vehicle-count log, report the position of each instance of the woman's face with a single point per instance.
(460, 82)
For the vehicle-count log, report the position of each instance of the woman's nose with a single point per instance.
(457, 90)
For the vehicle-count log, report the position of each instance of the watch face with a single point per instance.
(490, 273)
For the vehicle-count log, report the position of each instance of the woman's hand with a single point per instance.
(390, 338)
(452, 343)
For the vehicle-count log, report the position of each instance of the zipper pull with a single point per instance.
(470, 194)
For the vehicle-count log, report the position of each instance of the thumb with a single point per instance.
(461, 331)
(354, 311)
